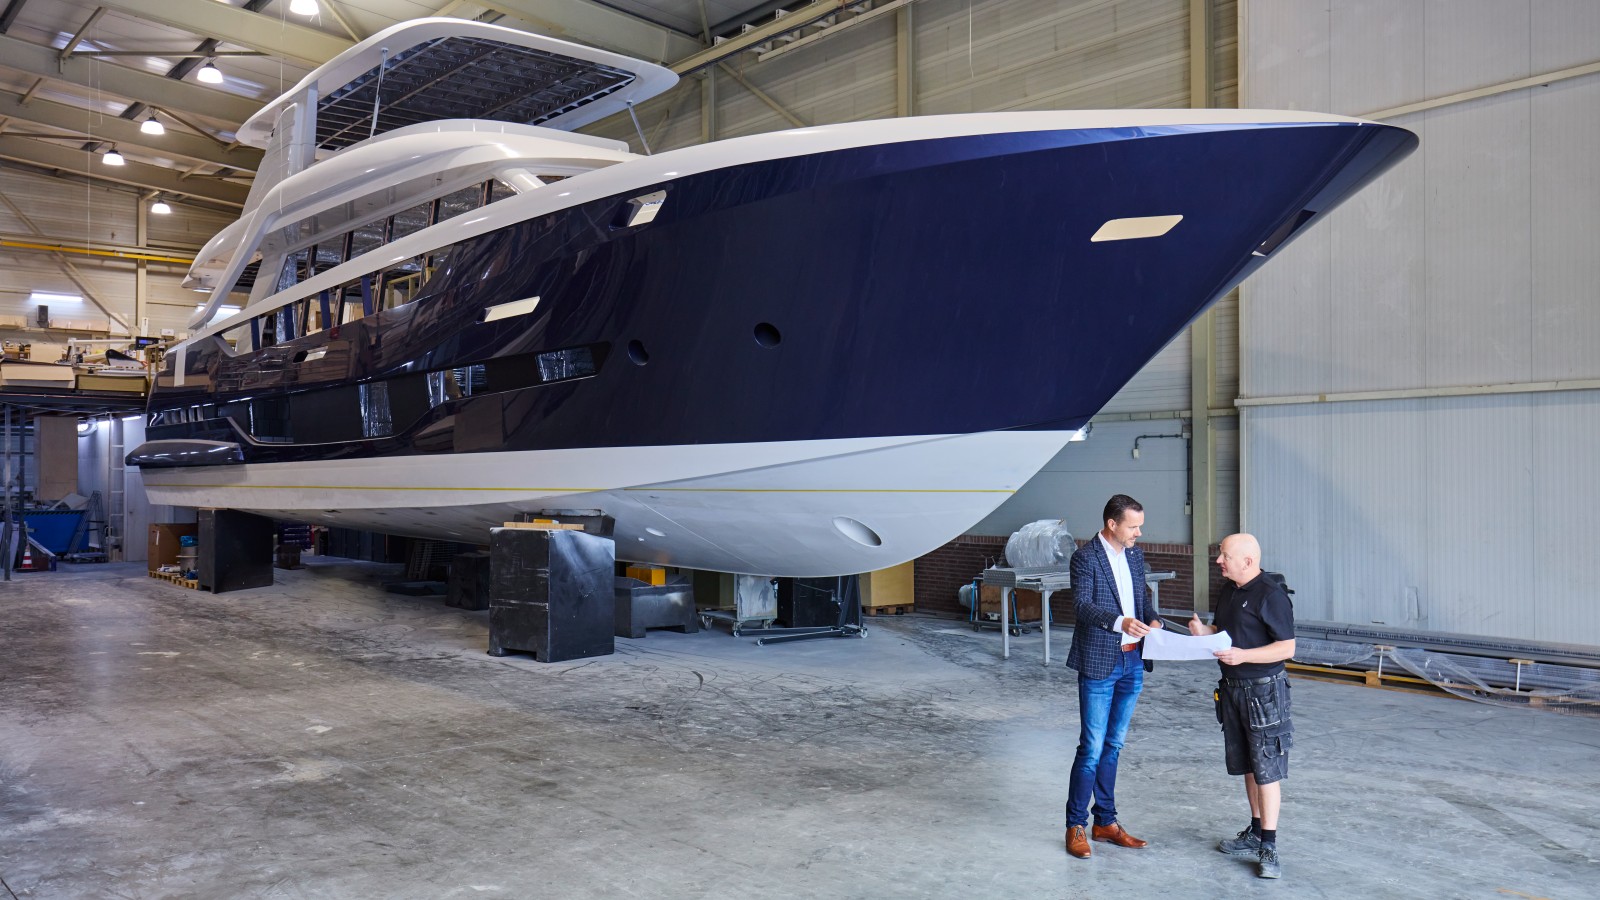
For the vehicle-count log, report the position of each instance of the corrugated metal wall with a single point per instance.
(1474, 263)
(72, 213)
(1465, 514)
(1075, 484)
(846, 78)
(1040, 54)
(977, 56)
(62, 211)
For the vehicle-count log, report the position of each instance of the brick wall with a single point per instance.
(940, 574)
(1178, 594)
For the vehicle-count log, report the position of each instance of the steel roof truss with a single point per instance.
(126, 133)
(237, 26)
(135, 84)
(156, 178)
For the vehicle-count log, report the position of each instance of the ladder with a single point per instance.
(116, 486)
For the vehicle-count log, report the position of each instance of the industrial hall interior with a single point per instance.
(799, 448)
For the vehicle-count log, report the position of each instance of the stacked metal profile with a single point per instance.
(1521, 674)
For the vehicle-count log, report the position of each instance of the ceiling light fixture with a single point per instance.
(151, 126)
(160, 207)
(304, 7)
(209, 73)
(113, 158)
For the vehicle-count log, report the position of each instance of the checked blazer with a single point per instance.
(1095, 646)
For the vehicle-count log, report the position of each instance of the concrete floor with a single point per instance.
(325, 739)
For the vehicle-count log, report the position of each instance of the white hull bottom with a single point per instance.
(795, 508)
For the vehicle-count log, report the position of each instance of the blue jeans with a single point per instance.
(1104, 707)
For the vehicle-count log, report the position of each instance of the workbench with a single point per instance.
(1047, 580)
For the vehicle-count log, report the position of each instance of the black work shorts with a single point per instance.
(1256, 729)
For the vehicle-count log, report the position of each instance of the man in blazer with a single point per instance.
(1114, 614)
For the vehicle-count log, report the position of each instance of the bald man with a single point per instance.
(1253, 695)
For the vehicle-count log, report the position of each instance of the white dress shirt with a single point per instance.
(1118, 557)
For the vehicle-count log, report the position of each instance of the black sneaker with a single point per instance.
(1247, 844)
(1267, 865)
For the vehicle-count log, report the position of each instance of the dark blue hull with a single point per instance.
(935, 287)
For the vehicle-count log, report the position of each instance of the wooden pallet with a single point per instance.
(1391, 680)
(177, 579)
(898, 610)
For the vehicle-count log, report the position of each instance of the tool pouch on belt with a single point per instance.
(1216, 701)
(1264, 713)
(1268, 708)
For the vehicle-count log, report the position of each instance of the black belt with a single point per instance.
(1245, 682)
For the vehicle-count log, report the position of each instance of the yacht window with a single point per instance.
(330, 253)
(394, 405)
(247, 278)
(511, 373)
(320, 311)
(350, 300)
(305, 313)
(465, 200)
(559, 365)
(281, 324)
(333, 250)
(293, 268)
(473, 379)
(393, 286)
(366, 238)
(437, 261)
(403, 282)
(410, 221)
(238, 337)
(270, 329)
(442, 387)
(269, 420)
(375, 418)
(183, 415)
(321, 417)
(356, 296)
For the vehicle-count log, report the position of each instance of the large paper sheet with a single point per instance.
(1165, 644)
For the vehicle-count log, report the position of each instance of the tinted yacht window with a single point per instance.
(330, 253)
(367, 238)
(326, 416)
(376, 420)
(465, 200)
(411, 221)
(559, 365)
(293, 268)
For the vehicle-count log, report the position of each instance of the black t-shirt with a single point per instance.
(1255, 614)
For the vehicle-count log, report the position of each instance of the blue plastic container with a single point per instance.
(54, 528)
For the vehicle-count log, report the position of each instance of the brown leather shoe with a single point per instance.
(1115, 834)
(1077, 842)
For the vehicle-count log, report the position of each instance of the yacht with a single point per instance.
(812, 352)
